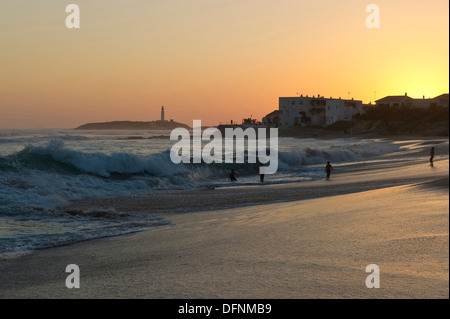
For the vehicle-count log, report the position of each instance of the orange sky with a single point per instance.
(212, 60)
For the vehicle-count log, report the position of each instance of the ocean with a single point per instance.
(42, 171)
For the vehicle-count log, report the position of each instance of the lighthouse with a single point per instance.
(162, 113)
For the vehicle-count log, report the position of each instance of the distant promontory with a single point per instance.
(132, 125)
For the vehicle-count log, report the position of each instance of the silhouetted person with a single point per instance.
(233, 176)
(328, 169)
(261, 176)
(431, 156)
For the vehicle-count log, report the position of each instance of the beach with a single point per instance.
(292, 241)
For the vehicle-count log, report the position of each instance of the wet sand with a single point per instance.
(315, 242)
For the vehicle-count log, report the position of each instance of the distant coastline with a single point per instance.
(133, 125)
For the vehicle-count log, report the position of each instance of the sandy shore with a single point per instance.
(314, 243)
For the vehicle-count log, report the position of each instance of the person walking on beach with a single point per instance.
(328, 169)
(261, 176)
(233, 176)
(431, 156)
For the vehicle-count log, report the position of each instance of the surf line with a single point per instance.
(233, 143)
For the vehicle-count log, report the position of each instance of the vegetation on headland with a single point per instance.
(383, 121)
(130, 125)
(393, 120)
(405, 113)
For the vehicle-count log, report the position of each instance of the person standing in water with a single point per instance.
(261, 176)
(328, 169)
(431, 156)
(233, 176)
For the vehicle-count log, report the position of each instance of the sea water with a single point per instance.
(41, 171)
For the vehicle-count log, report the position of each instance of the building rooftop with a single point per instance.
(276, 112)
(442, 97)
(394, 98)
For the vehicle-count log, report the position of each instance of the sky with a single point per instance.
(210, 60)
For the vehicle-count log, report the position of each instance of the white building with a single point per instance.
(304, 110)
(342, 110)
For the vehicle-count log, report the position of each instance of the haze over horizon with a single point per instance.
(210, 60)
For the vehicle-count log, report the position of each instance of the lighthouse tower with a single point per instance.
(162, 113)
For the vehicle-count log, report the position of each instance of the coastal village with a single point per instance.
(320, 112)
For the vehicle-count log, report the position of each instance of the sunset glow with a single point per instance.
(211, 60)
